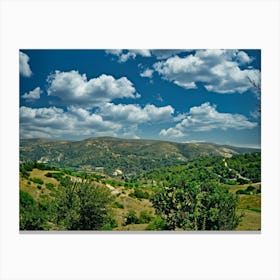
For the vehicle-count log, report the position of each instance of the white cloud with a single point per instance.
(218, 70)
(24, 68)
(243, 58)
(74, 89)
(205, 118)
(172, 133)
(147, 73)
(124, 55)
(109, 119)
(135, 114)
(57, 123)
(163, 54)
(33, 94)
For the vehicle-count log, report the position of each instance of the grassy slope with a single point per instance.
(250, 221)
(121, 196)
(252, 218)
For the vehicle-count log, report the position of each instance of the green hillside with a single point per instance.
(206, 193)
(108, 154)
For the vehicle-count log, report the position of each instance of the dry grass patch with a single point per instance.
(250, 221)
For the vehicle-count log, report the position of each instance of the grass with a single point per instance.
(250, 221)
(250, 206)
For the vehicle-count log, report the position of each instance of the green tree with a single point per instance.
(82, 206)
(33, 215)
(196, 206)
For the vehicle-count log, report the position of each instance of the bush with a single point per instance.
(49, 186)
(241, 192)
(230, 182)
(248, 191)
(250, 188)
(25, 174)
(56, 175)
(116, 204)
(131, 218)
(37, 181)
(145, 217)
(39, 187)
(138, 193)
(110, 224)
(157, 224)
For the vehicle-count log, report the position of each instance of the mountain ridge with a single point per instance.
(129, 155)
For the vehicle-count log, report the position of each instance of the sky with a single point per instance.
(203, 95)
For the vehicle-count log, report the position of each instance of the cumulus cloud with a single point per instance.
(57, 123)
(243, 58)
(147, 73)
(24, 68)
(124, 55)
(205, 118)
(33, 94)
(135, 114)
(109, 119)
(74, 89)
(218, 70)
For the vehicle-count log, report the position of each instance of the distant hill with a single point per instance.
(127, 155)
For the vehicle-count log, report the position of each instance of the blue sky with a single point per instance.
(174, 95)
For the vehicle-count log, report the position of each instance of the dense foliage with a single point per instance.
(238, 169)
(82, 206)
(192, 206)
(33, 215)
(74, 206)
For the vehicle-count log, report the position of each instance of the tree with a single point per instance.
(82, 206)
(33, 215)
(196, 206)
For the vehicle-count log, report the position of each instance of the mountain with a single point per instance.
(128, 156)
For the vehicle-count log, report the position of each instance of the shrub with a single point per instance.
(25, 174)
(39, 187)
(110, 224)
(241, 192)
(56, 175)
(157, 224)
(138, 193)
(131, 218)
(116, 204)
(37, 181)
(49, 186)
(250, 188)
(145, 217)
